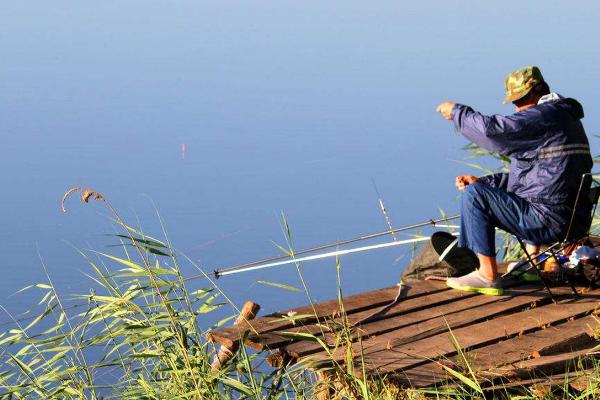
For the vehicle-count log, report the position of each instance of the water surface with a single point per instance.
(281, 106)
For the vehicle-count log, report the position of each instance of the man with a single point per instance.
(549, 152)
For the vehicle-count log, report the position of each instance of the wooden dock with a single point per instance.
(518, 338)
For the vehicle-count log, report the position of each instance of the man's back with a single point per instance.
(548, 148)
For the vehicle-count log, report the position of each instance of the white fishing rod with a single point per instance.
(439, 222)
(236, 270)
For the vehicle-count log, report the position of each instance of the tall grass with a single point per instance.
(140, 334)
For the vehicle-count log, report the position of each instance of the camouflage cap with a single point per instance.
(520, 82)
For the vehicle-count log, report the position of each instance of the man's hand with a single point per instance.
(463, 181)
(446, 109)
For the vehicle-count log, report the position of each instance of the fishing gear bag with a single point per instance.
(440, 257)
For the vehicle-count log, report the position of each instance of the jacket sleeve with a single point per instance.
(515, 133)
(499, 180)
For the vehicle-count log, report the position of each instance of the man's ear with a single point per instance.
(527, 101)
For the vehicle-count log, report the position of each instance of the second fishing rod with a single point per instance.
(431, 222)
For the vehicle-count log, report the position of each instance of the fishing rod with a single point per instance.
(265, 262)
(231, 271)
(227, 270)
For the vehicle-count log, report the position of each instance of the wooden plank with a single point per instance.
(512, 301)
(566, 337)
(543, 366)
(352, 304)
(426, 375)
(561, 379)
(382, 354)
(580, 380)
(424, 321)
(273, 340)
(355, 303)
(476, 335)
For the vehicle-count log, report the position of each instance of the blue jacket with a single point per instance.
(549, 152)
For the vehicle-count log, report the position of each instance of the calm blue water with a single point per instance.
(281, 105)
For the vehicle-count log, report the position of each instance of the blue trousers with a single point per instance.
(484, 207)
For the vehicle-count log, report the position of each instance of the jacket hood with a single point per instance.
(571, 106)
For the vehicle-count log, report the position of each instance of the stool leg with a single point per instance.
(536, 269)
(570, 281)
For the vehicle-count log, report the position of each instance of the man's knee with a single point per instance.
(474, 193)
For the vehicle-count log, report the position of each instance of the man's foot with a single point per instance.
(475, 282)
(522, 270)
